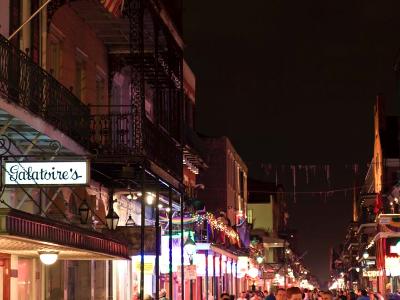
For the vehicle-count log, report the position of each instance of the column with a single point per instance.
(14, 277)
(206, 276)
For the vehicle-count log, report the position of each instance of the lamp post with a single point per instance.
(190, 249)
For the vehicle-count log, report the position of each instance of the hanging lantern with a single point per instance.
(112, 219)
(130, 221)
(84, 212)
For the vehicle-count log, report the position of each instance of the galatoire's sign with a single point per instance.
(46, 173)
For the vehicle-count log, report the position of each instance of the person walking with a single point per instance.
(364, 295)
(280, 294)
(163, 295)
(242, 296)
(270, 296)
(294, 293)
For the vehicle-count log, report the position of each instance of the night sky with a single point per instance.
(294, 82)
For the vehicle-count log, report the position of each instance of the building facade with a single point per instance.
(102, 84)
(225, 181)
(368, 257)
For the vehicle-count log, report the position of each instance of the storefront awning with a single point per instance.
(25, 234)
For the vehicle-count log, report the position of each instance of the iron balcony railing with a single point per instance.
(26, 84)
(21, 224)
(113, 134)
(162, 149)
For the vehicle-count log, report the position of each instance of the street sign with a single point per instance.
(190, 273)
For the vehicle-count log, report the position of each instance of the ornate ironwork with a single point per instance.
(160, 148)
(136, 53)
(55, 146)
(112, 135)
(42, 229)
(26, 84)
(5, 144)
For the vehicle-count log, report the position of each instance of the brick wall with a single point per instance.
(215, 177)
(80, 40)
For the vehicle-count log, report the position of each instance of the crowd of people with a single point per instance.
(295, 293)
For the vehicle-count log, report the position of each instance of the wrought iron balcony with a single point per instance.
(29, 86)
(18, 224)
(113, 135)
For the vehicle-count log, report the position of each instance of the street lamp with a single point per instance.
(150, 198)
(112, 219)
(84, 212)
(190, 249)
(260, 259)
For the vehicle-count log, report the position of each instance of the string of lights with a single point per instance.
(314, 192)
(217, 224)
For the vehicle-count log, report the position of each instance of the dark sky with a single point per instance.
(295, 82)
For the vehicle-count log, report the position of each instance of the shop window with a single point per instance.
(54, 280)
(250, 216)
(25, 279)
(79, 280)
(99, 279)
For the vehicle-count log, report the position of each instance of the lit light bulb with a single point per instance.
(159, 206)
(48, 257)
(149, 199)
(129, 197)
(139, 194)
(167, 209)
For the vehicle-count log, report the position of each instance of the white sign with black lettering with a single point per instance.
(46, 173)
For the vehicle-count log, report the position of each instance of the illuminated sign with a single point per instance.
(392, 265)
(148, 264)
(242, 266)
(46, 173)
(253, 272)
(372, 273)
(395, 249)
